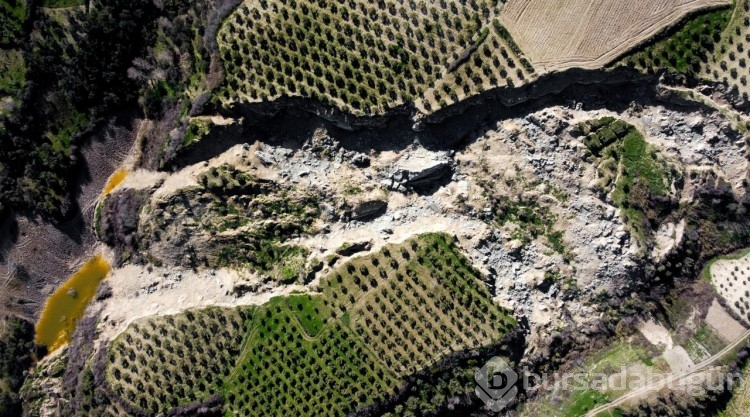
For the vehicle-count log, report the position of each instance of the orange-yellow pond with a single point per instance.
(115, 179)
(66, 306)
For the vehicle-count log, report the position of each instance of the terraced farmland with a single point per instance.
(714, 47)
(194, 351)
(365, 57)
(376, 319)
(562, 34)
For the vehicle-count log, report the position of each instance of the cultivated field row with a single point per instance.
(375, 320)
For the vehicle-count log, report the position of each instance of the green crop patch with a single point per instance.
(375, 320)
(689, 49)
(390, 294)
(365, 57)
(285, 372)
(628, 165)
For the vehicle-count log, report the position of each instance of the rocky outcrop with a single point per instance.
(349, 249)
(428, 176)
(369, 209)
(422, 172)
(676, 97)
(265, 158)
(118, 217)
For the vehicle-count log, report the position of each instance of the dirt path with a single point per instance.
(671, 379)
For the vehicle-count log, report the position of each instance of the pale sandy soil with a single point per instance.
(142, 179)
(678, 359)
(466, 230)
(731, 278)
(138, 292)
(675, 355)
(656, 333)
(632, 377)
(726, 326)
(668, 236)
(494, 157)
(561, 34)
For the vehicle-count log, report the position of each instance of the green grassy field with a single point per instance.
(628, 166)
(374, 320)
(583, 396)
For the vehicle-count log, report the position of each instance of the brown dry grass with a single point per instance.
(560, 34)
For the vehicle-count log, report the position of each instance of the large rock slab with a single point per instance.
(422, 171)
(370, 209)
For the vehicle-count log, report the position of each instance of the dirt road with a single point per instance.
(669, 380)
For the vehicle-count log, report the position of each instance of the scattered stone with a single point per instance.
(265, 158)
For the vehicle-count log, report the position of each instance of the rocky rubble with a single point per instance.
(568, 248)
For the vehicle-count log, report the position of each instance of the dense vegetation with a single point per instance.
(16, 347)
(72, 70)
(629, 167)
(12, 68)
(376, 320)
(13, 13)
(72, 82)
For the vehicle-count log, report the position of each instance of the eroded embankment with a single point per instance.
(547, 85)
(292, 119)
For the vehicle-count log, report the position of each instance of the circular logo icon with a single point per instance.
(496, 384)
